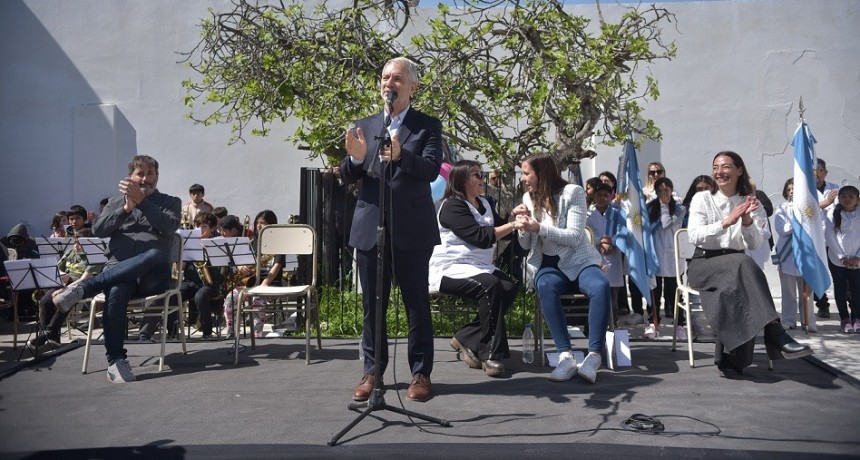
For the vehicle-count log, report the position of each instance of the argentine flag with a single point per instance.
(630, 226)
(807, 218)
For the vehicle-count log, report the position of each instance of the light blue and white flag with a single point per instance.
(807, 218)
(630, 226)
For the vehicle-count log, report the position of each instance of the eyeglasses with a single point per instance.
(478, 174)
(722, 168)
(655, 172)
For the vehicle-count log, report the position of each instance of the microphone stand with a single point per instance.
(376, 401)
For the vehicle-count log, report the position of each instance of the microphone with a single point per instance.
(390, 97)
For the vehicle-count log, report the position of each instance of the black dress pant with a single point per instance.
(412, 270)
(494, 293)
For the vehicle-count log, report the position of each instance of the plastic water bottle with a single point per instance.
(605, 264)
(528, 345)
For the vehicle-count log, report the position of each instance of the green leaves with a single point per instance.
(506, 81)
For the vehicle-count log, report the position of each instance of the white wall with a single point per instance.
(741, 68)
(85, 85)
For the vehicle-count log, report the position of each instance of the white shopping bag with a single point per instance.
(618, 349)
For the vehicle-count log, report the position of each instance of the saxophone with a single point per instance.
(203, 272)
(245, 280)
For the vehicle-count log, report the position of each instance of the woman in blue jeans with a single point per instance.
(562, 260)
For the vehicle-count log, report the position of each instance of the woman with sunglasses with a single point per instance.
(656, 170)
(462, 265)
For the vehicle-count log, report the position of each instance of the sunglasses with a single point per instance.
(655, 172)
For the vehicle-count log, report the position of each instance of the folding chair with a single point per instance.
(683, 252)
(10, 297)
(286, 239)
(575, 306)
(143, 306)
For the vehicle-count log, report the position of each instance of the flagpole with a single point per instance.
(805, 309)
(805, 304)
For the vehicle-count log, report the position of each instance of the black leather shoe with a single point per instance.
(493, 368)
(466, 355)
(729, 370)
(780, 345)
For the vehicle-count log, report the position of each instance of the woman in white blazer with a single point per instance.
(562, 260)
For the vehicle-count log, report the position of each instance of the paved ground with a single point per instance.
(274, 406)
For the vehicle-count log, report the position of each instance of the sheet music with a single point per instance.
(192, 249)
(53, 247)
(33, 273)
(225, 252)
(292, 263)
(95, 248)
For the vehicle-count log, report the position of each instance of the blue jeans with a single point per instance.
(551, 283)
(145, 274)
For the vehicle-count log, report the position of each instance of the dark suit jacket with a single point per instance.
(409, 206)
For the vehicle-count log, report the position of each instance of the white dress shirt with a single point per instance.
(706, 231)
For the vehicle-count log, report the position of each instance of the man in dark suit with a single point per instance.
(407, 167)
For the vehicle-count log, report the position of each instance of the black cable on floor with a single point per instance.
(641, 423)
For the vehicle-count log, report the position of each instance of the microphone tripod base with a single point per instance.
(376, 402)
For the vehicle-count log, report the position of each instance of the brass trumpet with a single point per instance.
(185, 221)
(246, 223)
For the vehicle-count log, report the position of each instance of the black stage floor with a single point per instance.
(273, 405)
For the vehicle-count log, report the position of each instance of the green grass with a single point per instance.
(341, 315)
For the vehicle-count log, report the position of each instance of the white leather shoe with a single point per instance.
(565, 369)
(588, 368)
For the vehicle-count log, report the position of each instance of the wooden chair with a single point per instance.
(143, 307)
(286, 239)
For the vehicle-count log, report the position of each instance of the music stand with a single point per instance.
(229, 252)
(376, 400)
(53, 247)
(27, 274)
(95, 249)
(192, 248)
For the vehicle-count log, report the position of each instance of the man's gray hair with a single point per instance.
(141, 160)
(405, 62)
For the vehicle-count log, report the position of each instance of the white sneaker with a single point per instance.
(120, 372)
(588, 368)
(681, 334)
(565, 369)
(67, 299)
(634, 318)
(651, 331)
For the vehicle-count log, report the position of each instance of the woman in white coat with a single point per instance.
(561, 260)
